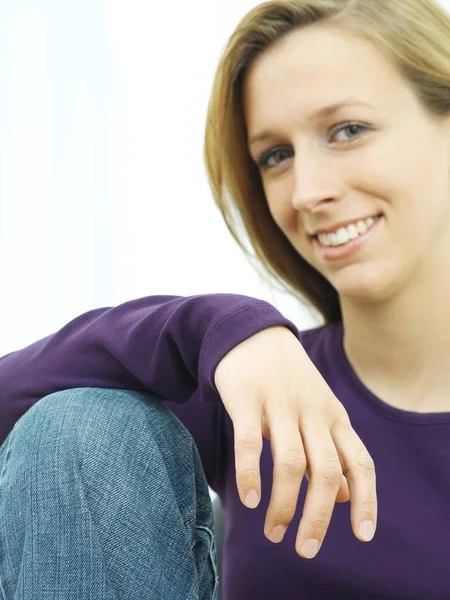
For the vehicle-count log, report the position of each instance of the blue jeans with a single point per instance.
(103, 497)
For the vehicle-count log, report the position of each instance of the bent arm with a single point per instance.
(166, 345)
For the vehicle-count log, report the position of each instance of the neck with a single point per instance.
(400, 347)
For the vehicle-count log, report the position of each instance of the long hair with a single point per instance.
(413, 34)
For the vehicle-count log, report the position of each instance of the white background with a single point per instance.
(103, 190)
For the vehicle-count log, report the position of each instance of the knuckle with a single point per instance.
(293, 463)
(283, 515)
(319, 524)
(370, 504)
(342, 419)
(247, 479)
(247, 472)
(331, 473)
(248, 442)
(365, 462)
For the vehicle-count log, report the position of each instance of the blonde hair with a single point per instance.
(414, 34)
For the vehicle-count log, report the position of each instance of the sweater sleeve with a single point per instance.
(167, 345)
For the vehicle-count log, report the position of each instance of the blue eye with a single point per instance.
(353, 129)
(263, 161)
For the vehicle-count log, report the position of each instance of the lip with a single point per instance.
(331, 253)
(334, 228)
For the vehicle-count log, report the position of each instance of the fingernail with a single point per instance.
(367, 530)
(252, 499)
(310, 548)
(277, 534)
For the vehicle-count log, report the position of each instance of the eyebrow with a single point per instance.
(325, 111)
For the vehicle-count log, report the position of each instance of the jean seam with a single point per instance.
(211, 557)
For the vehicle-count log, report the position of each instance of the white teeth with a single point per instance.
(345, 234)
(342, 235)
(352, 231)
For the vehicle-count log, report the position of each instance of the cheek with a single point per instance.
(278, 199)
(286, 218)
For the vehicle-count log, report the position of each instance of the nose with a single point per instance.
(315, 181)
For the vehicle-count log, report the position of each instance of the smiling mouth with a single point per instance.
(342, 249)
(343, 235)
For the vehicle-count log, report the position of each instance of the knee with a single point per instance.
(92, 424)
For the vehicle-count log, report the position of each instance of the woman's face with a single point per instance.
(345, 139)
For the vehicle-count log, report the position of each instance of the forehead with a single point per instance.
(316, 66)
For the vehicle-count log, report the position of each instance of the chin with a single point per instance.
(363, 285)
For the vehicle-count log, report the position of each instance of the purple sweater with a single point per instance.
(170, 346)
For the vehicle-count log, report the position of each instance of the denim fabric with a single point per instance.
(103, 497)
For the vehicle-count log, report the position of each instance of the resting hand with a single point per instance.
(271, 388)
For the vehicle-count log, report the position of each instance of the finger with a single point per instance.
(289, 467)
(326, 477)
(248, 447)
(344, 492)
(359, 469)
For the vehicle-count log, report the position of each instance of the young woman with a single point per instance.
(328, 135)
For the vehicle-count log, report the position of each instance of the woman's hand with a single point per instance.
(271, 388)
